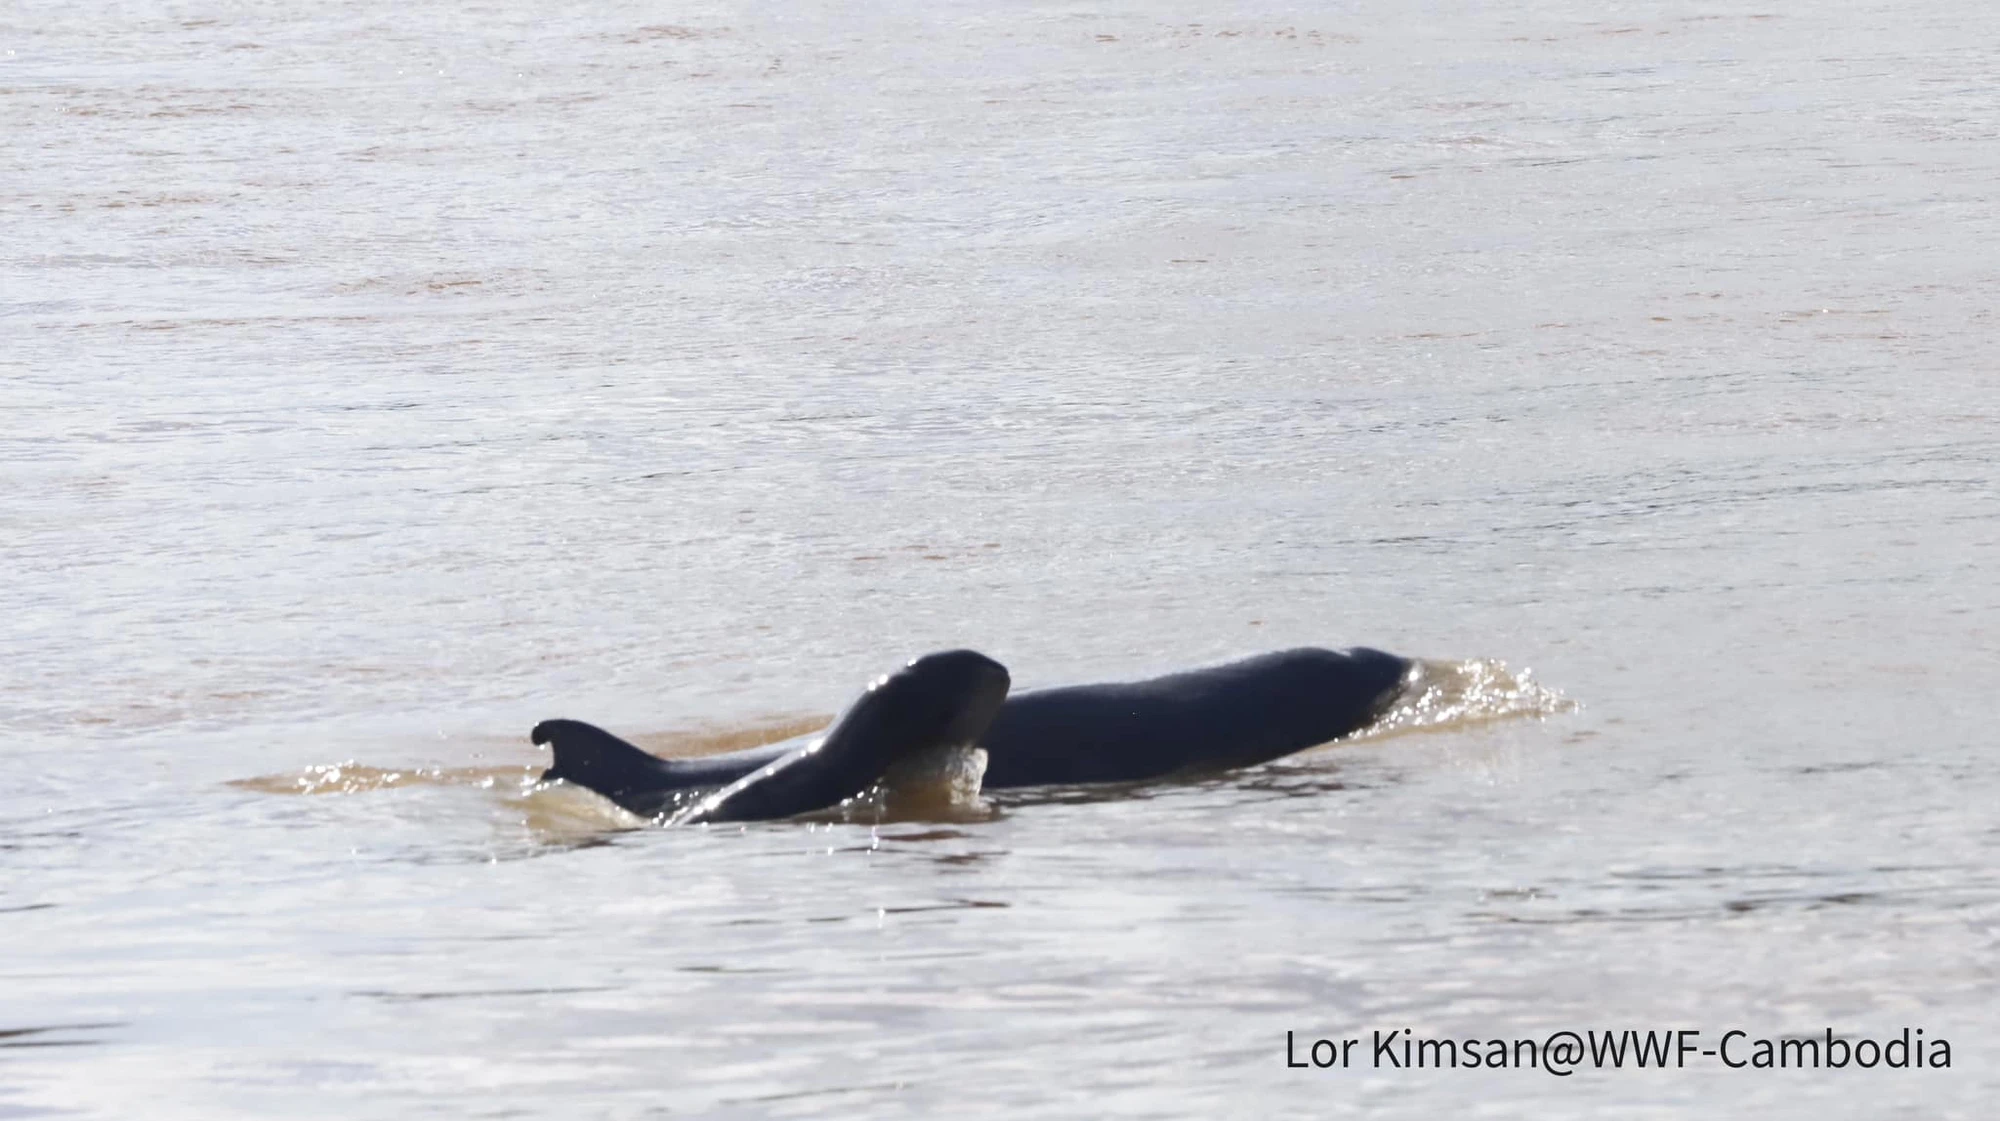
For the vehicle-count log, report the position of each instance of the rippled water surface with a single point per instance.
(381, 378)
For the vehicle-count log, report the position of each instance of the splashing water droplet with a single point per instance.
(1441, 696)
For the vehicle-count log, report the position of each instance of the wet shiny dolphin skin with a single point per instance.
(1237, 714)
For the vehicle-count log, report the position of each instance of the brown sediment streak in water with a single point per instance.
(1445, 696)
(352, 777)
(713, 741)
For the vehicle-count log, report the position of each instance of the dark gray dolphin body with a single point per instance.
(938, 700)
(1237, 714)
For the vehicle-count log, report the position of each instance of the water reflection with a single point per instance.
(55, 1035)
(476, 994)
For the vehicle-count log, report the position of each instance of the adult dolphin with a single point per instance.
(1237, 714)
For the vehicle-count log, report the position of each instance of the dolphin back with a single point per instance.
(937, 701)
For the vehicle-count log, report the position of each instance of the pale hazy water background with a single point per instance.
(380, 378)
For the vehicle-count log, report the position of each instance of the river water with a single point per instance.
(381, 378)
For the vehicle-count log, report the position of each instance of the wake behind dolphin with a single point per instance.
(1238, 714)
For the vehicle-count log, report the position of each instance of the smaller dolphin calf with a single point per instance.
(1234, 715)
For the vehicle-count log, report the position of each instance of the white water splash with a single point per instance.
(1442, 696)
